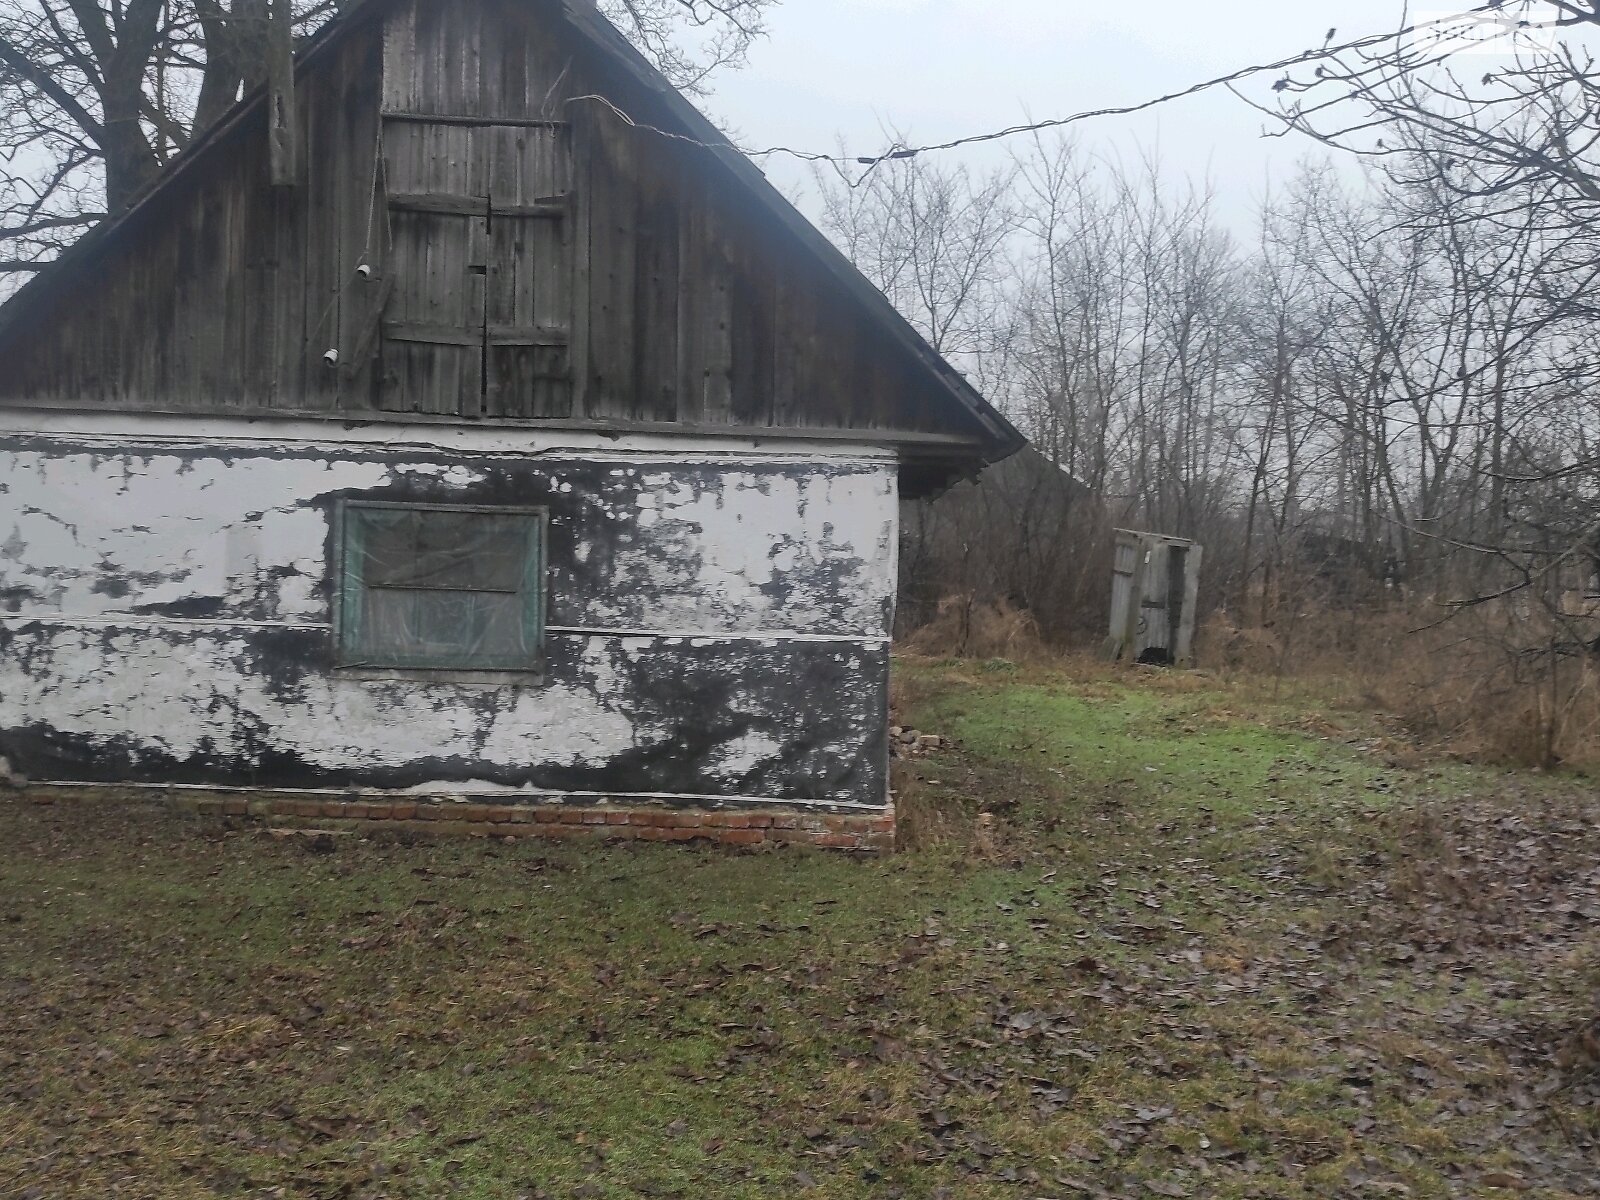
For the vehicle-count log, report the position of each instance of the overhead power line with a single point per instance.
(842, 162)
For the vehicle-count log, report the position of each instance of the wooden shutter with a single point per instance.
(480, 319)
(528, 302)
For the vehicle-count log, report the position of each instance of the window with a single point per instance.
(440, 588)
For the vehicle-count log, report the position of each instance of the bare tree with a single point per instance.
(691, 40)
(1491, 168)
(1283, 321)
(1074, 343)
(934, 239)
(97, 97)
(1525, 125)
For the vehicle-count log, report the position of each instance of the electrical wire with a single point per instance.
(898, 152)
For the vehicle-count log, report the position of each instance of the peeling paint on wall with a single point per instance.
(718, 620)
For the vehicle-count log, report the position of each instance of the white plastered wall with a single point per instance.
(152, 567)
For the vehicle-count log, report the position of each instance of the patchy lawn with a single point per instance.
(1204, 944)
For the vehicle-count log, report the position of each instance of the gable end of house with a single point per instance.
(475, 235)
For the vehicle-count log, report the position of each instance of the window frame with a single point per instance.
(350, 590)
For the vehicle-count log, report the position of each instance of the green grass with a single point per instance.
(1171, 755)
(1170, 969)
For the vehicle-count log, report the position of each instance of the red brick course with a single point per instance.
(868, 833)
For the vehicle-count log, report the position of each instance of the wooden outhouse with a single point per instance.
(518, 458)
(1155, 588)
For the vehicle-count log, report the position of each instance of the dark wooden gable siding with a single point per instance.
(473, 239)
(224, 293)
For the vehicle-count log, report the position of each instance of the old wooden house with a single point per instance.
(469, 433)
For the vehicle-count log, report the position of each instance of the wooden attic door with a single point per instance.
(480, 320)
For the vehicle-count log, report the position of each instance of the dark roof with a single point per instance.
(675, 115)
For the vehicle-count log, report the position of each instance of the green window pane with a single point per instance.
(465, 628)
(441, 588)
(455, 550)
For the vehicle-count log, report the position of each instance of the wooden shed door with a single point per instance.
(1155, 619)
(480, 320)
(528, 304)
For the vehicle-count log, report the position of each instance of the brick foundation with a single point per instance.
(872, 833)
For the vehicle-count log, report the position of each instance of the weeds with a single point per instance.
(967, 627)
(1497, 684)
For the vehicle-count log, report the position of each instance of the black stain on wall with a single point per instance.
(13, 598)
(599, 549)
(192, 608)
(801, 723)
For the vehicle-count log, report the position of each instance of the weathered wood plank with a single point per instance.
(802, 393)
(796, 342)
(438, 264)
(365, 358)
(253, 306)
(752, 333)
(554, 208)
(458, 86)
(319, 247)
(283, 133)
(283, 311)
(613, 266)
(431, 335)
(497, 335)
(551, 208)
(705, 315)
(554, 284)
(531, 335)
(436, 291)
(361, 220)
(241, 241)
(440, 203)
(933, 444)
(656, 302)
(494, 120)
(528, 311)
(577, 235)
(506, 392)
(400, 92)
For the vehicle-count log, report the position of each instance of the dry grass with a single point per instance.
(927, 819)
(1485, 689)
(967, 627)
(1501, 684)
(1494, 684)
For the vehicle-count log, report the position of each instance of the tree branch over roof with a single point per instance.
(36, 76)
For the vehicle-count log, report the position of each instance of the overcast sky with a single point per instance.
(945, 68)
